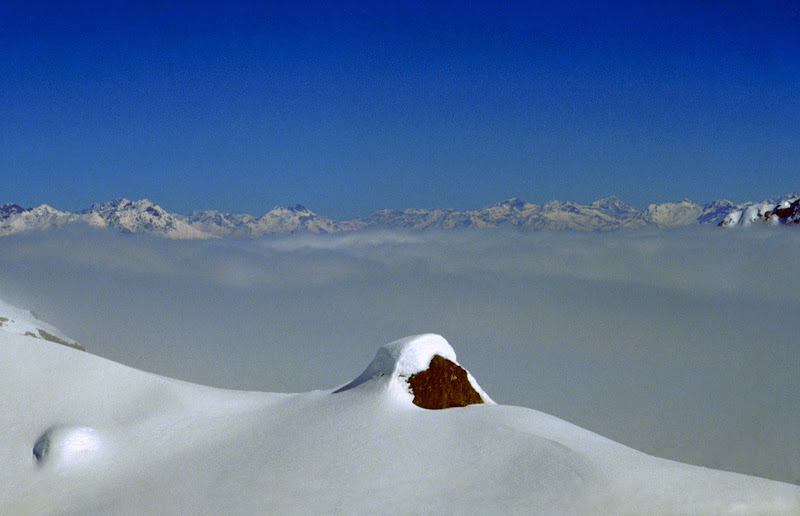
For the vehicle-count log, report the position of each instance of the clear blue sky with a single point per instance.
(348, 107)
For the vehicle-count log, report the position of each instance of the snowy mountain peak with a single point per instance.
(513, 202)
(297, 209)
(116, 205)
(421, 369)
(614, 205)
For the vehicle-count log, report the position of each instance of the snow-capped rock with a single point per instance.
(398, 364)
(789, 212)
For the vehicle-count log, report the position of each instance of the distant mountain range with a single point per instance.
(144, 216)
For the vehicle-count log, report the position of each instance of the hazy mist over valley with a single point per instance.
(678, 343)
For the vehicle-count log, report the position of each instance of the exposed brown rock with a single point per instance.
(443, 385)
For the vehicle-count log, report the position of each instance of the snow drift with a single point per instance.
(86, 435)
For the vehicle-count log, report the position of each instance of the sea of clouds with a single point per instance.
(681, 343)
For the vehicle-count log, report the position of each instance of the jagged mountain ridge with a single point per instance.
(145, 216)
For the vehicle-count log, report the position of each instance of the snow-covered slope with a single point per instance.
(23, 322)
(83, 435)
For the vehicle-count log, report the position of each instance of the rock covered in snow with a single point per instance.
(421, 369)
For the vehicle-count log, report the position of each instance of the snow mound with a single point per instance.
(421, 370)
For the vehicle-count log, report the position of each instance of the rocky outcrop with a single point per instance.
(420, 370)
(442, 385)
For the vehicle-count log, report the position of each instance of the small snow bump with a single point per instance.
(66, 444)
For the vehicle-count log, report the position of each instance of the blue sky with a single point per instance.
(348, 107)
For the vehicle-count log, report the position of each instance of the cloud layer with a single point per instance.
(680, 343)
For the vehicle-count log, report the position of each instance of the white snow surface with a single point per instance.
(84, 435)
